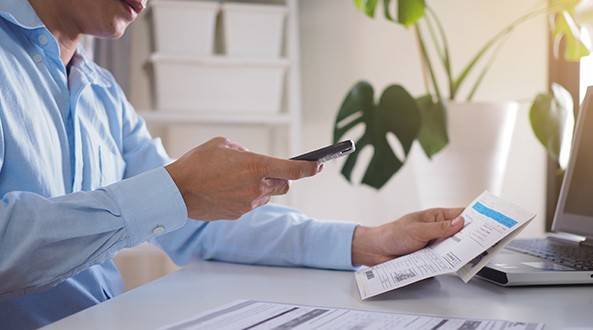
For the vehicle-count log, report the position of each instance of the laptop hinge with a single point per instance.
(587, 242)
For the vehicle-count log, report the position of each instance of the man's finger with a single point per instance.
(260, 201)
(288, 169)
(452, 213)
(440, 229)
(235, 146)
(440, 214)
(276, 187)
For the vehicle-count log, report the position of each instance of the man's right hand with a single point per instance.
(221, 180)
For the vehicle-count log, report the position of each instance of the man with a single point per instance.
(81, 178)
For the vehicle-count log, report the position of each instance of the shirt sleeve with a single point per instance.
(140, 150)
(47, 240)
(269, 235)
(44, 241)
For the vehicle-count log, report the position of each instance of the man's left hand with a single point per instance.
(374, 245)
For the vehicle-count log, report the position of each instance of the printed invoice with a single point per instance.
(260, 315)
(490, 223)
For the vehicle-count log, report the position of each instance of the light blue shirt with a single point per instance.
(81, 178)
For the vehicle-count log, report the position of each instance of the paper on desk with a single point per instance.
(257, 315)
(490, 223)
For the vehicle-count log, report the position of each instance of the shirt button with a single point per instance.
(42, 40)
(158, 230)
(37, 58)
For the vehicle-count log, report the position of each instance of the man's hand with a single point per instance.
(371, 246)
(221, 180)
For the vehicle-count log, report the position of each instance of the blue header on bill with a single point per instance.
(494, 215)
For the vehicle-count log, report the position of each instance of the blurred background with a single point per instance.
(271, 75)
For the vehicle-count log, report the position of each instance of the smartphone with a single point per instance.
(328, 153)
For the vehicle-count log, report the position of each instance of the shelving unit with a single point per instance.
(282, 130)
(162, 117)
(285, 122)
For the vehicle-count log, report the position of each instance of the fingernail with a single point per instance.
(319, 167)
(456, 221)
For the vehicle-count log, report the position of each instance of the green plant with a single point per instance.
(423, 118)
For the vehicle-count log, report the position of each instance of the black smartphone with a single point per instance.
(328, 153)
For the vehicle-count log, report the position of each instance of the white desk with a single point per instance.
(205, 285)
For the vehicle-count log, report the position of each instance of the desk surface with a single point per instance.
(204, 285)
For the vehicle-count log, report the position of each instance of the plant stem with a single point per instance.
(482, 74)
(426, 60)
(436, 43)
(424, 70)
(446, 58)
(489, 44)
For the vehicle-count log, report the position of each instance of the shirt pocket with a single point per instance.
(111, 165)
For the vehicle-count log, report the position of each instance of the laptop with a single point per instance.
(566, 256)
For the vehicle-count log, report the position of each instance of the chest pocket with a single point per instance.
(111, 165)
(103, 163)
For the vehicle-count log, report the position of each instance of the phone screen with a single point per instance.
(328, 153)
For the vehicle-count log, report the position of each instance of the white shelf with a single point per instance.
(221, 60)
(282, 129)
(162, 117)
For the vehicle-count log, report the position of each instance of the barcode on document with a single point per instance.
(370, 274)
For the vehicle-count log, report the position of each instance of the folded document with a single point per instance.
(490, 223)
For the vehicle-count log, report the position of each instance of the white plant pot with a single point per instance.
(184, 27)
(218, 84)
(253, 30)
(475, 160)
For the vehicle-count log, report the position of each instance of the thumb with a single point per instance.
(441, 229)
(289, 169)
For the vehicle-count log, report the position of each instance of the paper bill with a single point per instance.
(473, 267)
(400, 272)
(489, 220)
(258, 315)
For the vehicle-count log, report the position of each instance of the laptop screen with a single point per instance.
(579, 198)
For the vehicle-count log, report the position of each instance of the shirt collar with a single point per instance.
(89, 70)
(21, 13)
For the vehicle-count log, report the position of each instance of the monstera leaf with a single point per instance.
(433, 135)
(552, 121)
(396, 111)
(408, 11)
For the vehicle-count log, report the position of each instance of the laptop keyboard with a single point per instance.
(576, 257)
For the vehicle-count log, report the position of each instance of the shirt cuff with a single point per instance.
(150, 204)
(330, 245)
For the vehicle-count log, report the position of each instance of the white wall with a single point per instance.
(340, 46)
